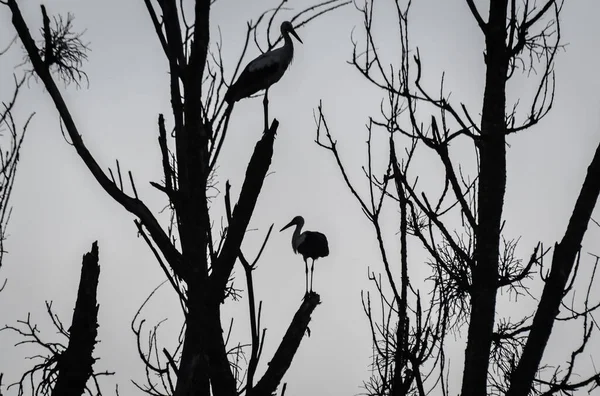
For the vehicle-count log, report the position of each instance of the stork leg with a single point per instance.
(312, 268)
(266, 106)
(306, 275)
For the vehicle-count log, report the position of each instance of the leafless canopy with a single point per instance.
(458, 223)
(197, 260)
(12, 133)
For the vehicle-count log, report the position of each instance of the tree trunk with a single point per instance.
(490, 200)
(75, 363)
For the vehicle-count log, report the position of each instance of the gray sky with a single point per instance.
(59, 210)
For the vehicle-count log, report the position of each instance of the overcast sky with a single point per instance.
(59, 210)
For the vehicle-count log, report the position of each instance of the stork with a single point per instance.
(264, 71)
(310, 244)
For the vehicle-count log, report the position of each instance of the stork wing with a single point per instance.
(323, 244)
(314, 245)
(259, 74)
(267, 60)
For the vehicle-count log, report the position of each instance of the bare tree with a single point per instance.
(65, 369)
(11, 135)
(197, 259)
(459, 226)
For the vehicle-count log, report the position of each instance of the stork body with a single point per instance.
(265, 70)
(310, 244)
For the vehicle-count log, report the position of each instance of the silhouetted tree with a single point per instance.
(460, 228)
(65, 369)
(11, 139)
(199, 262)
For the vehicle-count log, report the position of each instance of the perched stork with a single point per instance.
(310, 244)
(265, 70)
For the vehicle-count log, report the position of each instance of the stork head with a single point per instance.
(287, 27)
(298, 220)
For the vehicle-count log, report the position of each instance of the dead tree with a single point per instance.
(11, 135)
(65, 369)
(198, 263)
(460, 229)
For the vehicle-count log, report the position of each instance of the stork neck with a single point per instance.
(296, 236)
(287, 40)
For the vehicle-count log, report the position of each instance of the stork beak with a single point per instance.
(295, 35)
(287, 226)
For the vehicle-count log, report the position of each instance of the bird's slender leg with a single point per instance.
(266, 106)
(306, 274)
(312, 268)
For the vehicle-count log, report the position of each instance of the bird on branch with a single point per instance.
(264, 71)
(310, 244)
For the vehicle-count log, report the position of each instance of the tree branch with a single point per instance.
(133, 205)
(242, 212)
(477, 15)
(157, 27)
(282, 359)
(75, 363)
(553, 293)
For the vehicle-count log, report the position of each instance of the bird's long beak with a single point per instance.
(287, 226)
(295, 35)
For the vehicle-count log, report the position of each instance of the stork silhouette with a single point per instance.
(264, 71)
(309, 244)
